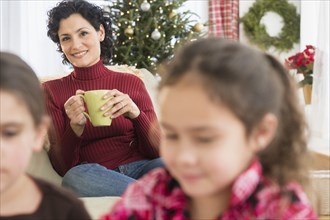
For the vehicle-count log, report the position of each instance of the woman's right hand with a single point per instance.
(74, 108)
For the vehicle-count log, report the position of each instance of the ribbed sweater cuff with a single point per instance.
(142, 121)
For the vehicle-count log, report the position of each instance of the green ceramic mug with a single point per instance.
(94, 101)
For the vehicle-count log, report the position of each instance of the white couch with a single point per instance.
(41, 167)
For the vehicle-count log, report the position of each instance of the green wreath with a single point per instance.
(256, 32)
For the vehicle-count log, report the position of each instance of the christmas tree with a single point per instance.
(146, 33)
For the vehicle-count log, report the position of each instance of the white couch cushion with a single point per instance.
(98, 206)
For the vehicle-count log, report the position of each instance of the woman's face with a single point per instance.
(79, 41)
(204, 145)
(19, 137)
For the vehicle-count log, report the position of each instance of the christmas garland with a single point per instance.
(256, 32)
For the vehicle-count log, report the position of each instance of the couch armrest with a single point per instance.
(41, 167)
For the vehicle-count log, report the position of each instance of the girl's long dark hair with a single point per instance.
(18, 78)
(251, 84)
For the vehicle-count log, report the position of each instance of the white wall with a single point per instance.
(200, 7)
(309, 19)
(23, 32)
(315, 30)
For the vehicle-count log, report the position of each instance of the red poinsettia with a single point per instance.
(303, 62)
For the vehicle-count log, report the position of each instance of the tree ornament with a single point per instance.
(145, 6)
(129, 31)
(198, 27)
(172, 14)
(136, 37)
(155, 34)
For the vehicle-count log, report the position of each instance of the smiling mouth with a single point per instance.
(191, 178)
(79, 54)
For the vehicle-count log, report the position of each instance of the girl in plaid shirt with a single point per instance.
(233, 140)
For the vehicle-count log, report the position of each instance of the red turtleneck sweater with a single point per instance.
(125, 141)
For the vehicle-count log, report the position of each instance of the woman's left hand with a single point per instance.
(121, 104)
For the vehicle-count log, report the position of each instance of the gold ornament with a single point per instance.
(172, 14)
(129, 31)
(198, 27)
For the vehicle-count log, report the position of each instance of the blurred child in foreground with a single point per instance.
(233, 140)
(23, 126)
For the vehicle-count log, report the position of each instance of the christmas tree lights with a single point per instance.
(146, 32)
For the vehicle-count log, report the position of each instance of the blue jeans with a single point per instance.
(90, 180)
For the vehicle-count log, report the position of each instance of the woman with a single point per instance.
(96, 161)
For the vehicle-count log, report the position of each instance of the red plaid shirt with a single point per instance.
(158, 196)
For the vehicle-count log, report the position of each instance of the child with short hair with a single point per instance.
(23, 126)
(233, 140)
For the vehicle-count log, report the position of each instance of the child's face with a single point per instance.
(18, 138)
(203, 145)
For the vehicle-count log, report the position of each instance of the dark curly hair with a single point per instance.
(94, 14)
